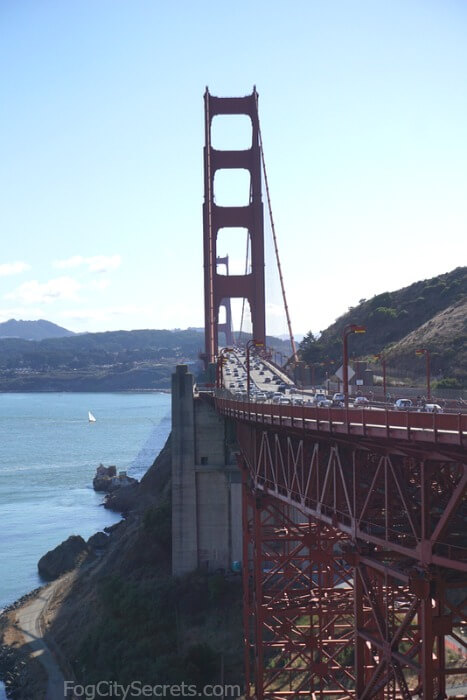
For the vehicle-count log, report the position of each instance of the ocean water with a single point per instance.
(48, 457)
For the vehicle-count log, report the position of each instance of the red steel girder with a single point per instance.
(397, 521)
(397, 503)
(298, 603)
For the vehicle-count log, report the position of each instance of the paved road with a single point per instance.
(460, 691)
(29, 623)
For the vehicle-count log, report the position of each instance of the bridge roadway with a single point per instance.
(440, 429)
(374, 422)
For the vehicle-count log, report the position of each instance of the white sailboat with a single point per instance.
(91, 418)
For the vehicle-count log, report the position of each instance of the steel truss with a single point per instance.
(357, 559)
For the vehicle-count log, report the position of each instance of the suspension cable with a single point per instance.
(271, 219)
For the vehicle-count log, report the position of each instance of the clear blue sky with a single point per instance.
(364, 117)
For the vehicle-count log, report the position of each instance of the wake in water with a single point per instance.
(150, 449)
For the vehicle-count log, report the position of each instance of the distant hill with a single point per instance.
(32, 330)
(111, 361)
(431, 313)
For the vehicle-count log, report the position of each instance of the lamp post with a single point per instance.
(348, 330)
(420, 352)
(313, 376)
(279, 358)
(381, 357)
(251, 343)
(220, 367)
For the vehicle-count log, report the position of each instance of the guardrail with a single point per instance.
(450, 428)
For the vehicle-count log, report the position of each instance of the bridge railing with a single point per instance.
(442, 427)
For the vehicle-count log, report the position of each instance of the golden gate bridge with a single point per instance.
(354, 520)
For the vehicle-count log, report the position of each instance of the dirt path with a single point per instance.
(29, 624)
(23, 629)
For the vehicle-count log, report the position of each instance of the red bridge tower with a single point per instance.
(227, 327)
(219, 288)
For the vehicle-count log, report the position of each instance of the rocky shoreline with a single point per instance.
(21, 601)
(23, 674)
(108, 480)
(12, 671)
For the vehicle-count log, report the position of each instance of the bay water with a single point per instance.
(49, 453)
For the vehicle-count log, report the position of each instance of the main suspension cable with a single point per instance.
(271, 219)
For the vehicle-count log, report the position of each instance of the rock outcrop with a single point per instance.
(98, 541)
(141, 494)
(108, 480)
(63, 558)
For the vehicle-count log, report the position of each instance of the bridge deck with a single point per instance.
(431, 428)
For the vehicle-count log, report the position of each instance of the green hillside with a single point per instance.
(430, 313)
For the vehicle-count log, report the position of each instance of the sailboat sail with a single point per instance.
(91, 417)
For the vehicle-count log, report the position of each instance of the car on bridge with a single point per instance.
(403, 404)
(324, 403)
(361, 401)
(431, 408)
(338, 399)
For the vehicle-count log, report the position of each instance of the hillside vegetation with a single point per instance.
(431, 314)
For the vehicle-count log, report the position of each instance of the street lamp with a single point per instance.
(251, 343)
(380, 356)
(348, 330)
(220, 367)
(279, 358)
(420, 352)
(312, 368)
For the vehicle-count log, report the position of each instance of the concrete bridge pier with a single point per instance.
(206, 482)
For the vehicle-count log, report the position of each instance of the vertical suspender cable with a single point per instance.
(289, 325)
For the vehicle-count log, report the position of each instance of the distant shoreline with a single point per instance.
(86, 391)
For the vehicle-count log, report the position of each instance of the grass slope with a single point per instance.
(429, 313)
